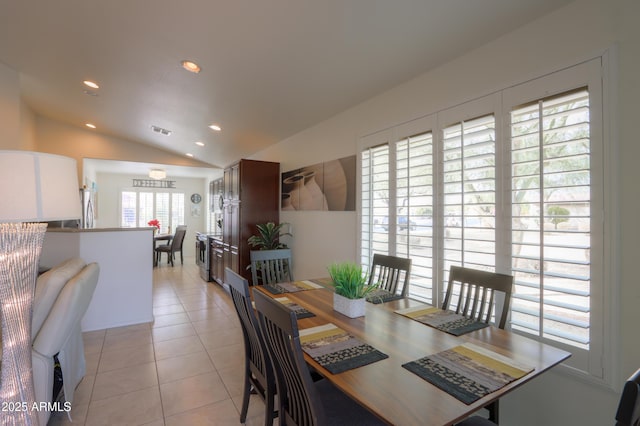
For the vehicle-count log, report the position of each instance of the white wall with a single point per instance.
(629, 192)
(10, 137)
(108, 201)
(27, 128)
(581, 30)
(63, 139)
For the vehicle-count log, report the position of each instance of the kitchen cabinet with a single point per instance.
(216, 197)
(251, 196)
(216, 263)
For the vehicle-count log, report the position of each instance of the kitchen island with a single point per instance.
(123, 295)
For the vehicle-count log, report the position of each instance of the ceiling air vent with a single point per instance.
(161, 130)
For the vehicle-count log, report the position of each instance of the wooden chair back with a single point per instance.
(628, 413)
(270, 266)
(389, 272)
(257, 363)
(475, 291)
(299, 402)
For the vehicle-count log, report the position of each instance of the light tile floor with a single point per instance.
(184, 368)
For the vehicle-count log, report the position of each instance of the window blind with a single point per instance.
(551, 212)
(374, 203)
(469, 188)
(414, 207)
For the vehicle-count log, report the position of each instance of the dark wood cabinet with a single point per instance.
(216, 263)
(251, 196)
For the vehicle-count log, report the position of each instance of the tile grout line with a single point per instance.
(199, 339)
(181, 283)
(155, 363)
(95, 376)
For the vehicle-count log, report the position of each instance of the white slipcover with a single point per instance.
(61, 334)
(48, 286)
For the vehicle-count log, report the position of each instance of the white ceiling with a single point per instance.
(269, 68)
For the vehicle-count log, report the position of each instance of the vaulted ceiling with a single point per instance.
(269, 68)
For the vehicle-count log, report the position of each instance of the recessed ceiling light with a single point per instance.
(191, 66)
(215, 127)
(188, 154)
(91, 84)
(200, 143)
(91, 126)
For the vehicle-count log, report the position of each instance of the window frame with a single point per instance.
(588, 74)
(596, 362)
(171, 196)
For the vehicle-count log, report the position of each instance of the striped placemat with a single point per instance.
(446, 321)
(468, 372)
(336, 350)
(325, 281)
(291, 287)
(299, 310)
(381, 296)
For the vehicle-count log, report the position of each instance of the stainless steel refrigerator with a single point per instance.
(87, 198)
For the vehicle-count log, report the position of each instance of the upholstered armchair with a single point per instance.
(56, 322)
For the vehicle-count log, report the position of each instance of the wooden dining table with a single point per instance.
(396, 395)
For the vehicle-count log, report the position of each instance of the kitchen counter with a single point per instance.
(148, 228)
(123, 295)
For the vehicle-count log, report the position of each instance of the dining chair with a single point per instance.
(390, 271)
(476, 421)
(628, 413)
(175, 246)
(474, 292)
(258, 372)
(270, 266)
(302, 401)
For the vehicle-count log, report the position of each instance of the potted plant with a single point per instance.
(156, 224)
(268, 237)
(351, 288)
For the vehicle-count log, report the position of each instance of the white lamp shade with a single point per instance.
(38, 187)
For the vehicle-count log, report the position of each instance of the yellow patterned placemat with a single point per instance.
(468, 371)
(291, 305)
(446, 321)
(336, 350)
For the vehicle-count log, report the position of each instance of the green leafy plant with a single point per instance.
(268, 237)
(349, 280)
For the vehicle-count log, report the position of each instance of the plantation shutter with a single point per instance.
(516, 181)
(145, 208)
(374, 202)
(162, 210)
(414, 218)
(551, 194)
(469, 194)
(177, 210)
(129, 210)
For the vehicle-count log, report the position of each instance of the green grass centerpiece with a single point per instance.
(351, 289)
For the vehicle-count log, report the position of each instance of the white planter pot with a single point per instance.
(353, 308)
